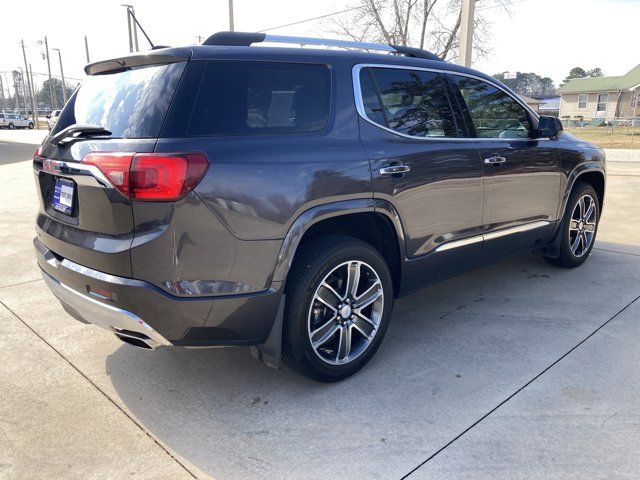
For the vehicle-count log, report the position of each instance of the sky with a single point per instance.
(547, 37)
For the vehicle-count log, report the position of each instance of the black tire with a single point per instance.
(570, 258)
(328, 256)
(30, 125)
(11, 126)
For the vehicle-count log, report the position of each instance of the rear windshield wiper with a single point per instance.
(78, 132)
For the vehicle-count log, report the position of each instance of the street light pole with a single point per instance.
(231, 15)
(28, 84)
(466, 32)
(64, 85)
(52, 90)
(24, 92)
(33, 96)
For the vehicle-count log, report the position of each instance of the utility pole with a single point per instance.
(466, 32)
(26, 68)
(86, 48)
(132, 14)
(231, 15)
(64, 85)
(129, 27)
(52, 90)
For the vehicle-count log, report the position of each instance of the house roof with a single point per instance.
(550, 104)
(603, 84)
(531, 101)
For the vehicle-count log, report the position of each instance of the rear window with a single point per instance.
(130, 104)
(238, 98)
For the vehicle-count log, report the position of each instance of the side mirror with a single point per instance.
(48, 116)
(549, 127)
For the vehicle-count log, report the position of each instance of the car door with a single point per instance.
(522, 173)
(421, 165)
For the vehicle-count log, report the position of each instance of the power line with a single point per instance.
(317, 18)
(507, 4)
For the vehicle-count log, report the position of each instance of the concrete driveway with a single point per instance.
(516, 371)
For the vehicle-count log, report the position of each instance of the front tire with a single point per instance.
(339, 301)
(579, 227)
(30, 125)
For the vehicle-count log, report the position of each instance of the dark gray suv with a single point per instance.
(281, 198)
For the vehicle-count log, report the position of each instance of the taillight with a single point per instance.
(114, 166)
(151, 176)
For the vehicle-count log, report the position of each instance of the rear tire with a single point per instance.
(11, 126)
(579, 227)
(339, 301)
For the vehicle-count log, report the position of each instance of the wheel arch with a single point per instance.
(592, 173)
(373, 221)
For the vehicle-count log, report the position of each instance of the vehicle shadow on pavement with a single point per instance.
(452, 353)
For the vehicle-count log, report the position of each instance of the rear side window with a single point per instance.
(238, 98)
(130, 104)
(494, 113)
(414, 102)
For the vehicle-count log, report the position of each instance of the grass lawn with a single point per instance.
(603, 136)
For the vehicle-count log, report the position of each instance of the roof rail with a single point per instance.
(246, 39)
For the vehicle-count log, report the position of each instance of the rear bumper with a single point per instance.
(126, 325)
(143, 314)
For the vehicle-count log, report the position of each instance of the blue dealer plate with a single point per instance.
(63, 195)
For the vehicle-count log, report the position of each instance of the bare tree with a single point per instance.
(430, 24)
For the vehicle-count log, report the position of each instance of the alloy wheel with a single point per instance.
(345, 312)
(582, 226)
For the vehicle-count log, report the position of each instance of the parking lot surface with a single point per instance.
(518, 371)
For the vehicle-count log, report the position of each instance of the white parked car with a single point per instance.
(14, 120)
(52, 118)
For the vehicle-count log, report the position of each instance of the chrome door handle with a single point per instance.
(394, 169)
(495, 160)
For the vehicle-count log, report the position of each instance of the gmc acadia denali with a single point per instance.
(281, 198)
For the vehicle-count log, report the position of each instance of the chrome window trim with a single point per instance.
(359, 102)
(491, 235)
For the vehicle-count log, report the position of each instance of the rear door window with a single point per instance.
(411, 102)
(239, 98)
(130, 104)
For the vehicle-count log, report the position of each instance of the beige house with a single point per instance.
(603, 98)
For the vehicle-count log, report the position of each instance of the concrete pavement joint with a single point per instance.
(135, 422)
(22, 283)
(521, 388)
(616, 251)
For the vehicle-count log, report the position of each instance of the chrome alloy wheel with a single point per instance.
(345, 312)
(582, 226)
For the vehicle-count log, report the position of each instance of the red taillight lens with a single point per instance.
(114, 166)
(151, 176)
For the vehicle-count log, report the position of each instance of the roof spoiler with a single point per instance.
(246, 39)
(139, 60)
